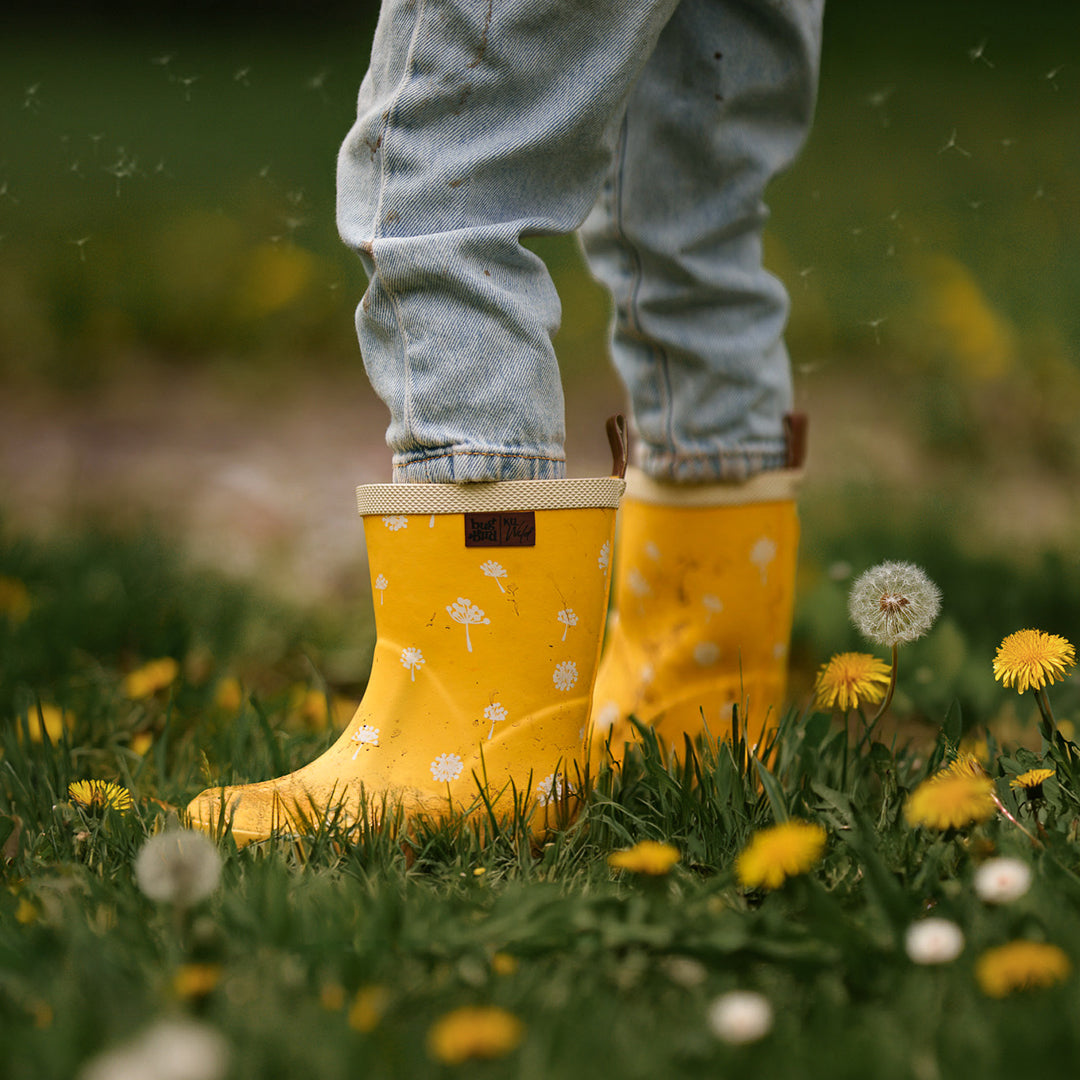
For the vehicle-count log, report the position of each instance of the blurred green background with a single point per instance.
(167, 222)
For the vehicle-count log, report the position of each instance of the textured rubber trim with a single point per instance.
(775, 485)
(387, 499)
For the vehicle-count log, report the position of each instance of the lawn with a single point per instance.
(166, 199)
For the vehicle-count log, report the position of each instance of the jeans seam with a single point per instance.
(395, 303)
(484, 453)
(637, 276)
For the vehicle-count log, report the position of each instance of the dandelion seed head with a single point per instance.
(893, 603)
(740, 1017)
(1002, 880)
(180, 866)
(933, 941)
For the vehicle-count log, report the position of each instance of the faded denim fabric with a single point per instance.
(660, 121)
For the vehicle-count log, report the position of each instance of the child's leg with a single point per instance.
(479, 123)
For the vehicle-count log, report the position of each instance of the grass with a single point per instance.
(338, 954)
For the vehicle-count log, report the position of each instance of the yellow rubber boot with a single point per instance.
(490, 601)
(704, 594)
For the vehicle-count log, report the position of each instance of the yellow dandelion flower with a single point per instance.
(14, 599)
(192, 981)
(49, 720)
(504, 963)
(964, 765)
(1032, 782)
(151, 677)
(229, 694)
(773, 855)
(332, 996)
(367, 1007)
(141, 742)
(646, 857)
(1032, 659)
(851, 679)
(26, 912)
(100, 795)
(474, 1032)
(1020, 965)
(951, 800)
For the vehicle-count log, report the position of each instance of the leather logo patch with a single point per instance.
(503, 529)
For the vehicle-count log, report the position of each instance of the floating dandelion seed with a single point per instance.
(952, 144)
(894, 603)
(979, 53)
(81, 245)
(241, 76)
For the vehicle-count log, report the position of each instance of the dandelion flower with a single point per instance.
(933, 941)
(151, 677)
(773, 855)
(474, 1032)
(646, 857)
(851, 679)
(965, 765)
(170, 1050)
(180, 866)
(100, 794)
(48, 720)
(893, 603)
(195, 980)
(1032, 782)
(1020, 965)
(950, 800)
(367, 1007)
(740, 1017)
(1003, 880)
(14, 599)
(1032, 659)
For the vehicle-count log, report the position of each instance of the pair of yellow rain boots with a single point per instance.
(490, 606)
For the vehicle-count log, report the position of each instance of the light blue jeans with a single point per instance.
(652, 125)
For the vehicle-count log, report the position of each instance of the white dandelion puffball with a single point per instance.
(180, 866)
(170, 1050)
(1001, 881)
(740, 1016)
(933, 941)
(894, 602)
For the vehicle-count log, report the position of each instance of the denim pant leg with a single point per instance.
(479, 123)
(724, 103)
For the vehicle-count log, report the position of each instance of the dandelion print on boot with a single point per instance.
(490, 602)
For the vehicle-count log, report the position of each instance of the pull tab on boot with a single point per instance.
(619, 441)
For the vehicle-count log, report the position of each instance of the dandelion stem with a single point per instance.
(892, 688)
(1049, 724)
(1001, 807)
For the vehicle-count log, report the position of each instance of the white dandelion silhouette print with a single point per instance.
(712, 604)
(636, 582)
(565, 675)
(606, 716)
(568, 618)
(603, 560)
(763, 553)
(395, 522)
(412, 659)
(464, 611)
(380, 585)
(652, 551)
(706, 653)
(549, 789)
(431, 522)
(494, 570)
(364, 735)
(496, 713)
(446, 767)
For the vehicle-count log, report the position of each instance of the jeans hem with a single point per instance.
(718, 466)
(477, 467)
